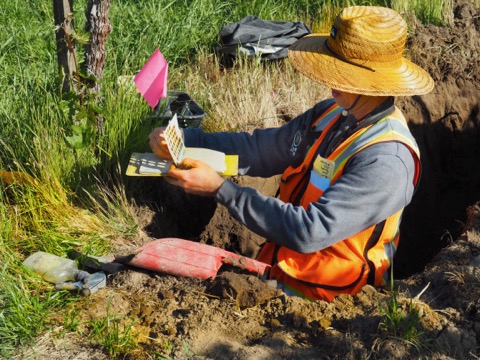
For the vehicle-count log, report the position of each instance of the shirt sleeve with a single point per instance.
(257, 155)
(377, 182)
(264, 153)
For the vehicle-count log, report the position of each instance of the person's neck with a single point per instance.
(365, 105)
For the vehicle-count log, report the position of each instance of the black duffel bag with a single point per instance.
(252, 36)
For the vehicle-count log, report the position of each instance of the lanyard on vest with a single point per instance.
(320, 127)
(384, 109)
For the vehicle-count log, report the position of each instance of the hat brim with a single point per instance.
(311, 57)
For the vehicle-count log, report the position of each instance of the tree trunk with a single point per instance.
(63, 10)
(95, 52)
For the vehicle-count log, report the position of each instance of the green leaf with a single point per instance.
(81, 38)
(75, 141)
(77, 130)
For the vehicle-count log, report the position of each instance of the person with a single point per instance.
(349, 165)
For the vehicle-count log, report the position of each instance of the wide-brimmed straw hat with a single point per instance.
(363, 54)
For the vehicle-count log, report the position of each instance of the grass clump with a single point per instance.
(401, 321)
(113, 334)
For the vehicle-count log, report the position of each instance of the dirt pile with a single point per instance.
(236, 316)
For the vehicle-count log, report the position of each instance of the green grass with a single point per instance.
(23, 305)
(112, 334)
(80, 198)
(402, 320)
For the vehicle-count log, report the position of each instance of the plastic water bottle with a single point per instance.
(51, 268)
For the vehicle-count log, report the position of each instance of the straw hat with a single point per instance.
(363, 54)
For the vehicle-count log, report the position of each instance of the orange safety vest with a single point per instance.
(350, 264)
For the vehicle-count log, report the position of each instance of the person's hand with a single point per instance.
(158, 143)
(195, 177)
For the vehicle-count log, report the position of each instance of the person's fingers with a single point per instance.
(164, 149)
(195, 177)
(158, 150)
(156, 135)
(154, 145)
(172, 180)
(176, 172)
(154, 138)
(189, 163)
(158, 143)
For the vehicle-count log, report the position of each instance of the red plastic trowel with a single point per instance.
(187, 258)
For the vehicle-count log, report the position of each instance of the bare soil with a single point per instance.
(237, 316)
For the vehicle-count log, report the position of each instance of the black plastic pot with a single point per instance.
(189, 113)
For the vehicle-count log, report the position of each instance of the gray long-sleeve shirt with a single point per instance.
(376, 183)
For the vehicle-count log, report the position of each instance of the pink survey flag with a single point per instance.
(151, 81)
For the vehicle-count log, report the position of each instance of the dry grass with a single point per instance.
(252, 94)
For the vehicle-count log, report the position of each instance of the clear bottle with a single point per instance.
(51, 268)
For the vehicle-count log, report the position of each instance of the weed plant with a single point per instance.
(80, 197)
(115, 336)
(401, 320)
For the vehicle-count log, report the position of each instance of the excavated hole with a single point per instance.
(450, 183)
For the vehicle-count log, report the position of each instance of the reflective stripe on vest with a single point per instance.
(348, 265)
